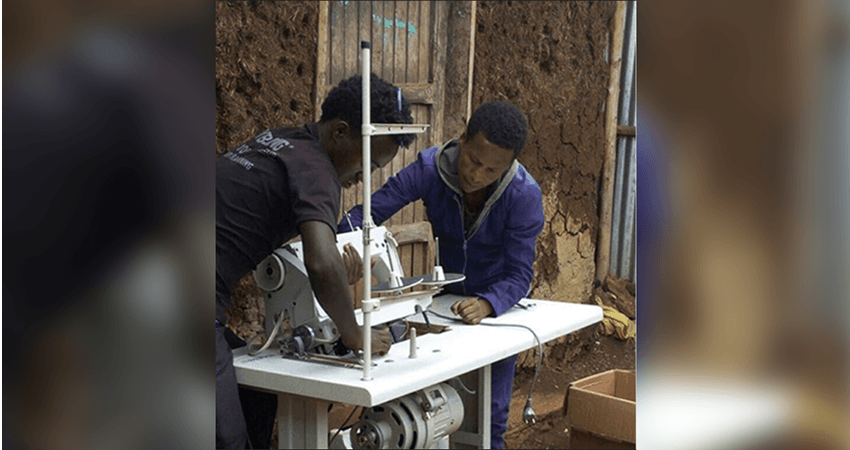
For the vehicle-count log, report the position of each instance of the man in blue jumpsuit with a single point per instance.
(487, 211)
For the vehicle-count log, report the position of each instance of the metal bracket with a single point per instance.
(376, 129)
(371, 305)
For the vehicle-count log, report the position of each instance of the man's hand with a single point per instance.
(472, 309)
(380, 341)
(353, 264)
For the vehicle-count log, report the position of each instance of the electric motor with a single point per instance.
(417, 420)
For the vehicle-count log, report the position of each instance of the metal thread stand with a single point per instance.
(369, 129)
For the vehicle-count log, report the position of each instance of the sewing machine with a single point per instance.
(283, 277)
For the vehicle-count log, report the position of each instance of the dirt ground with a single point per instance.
(585, 353)
(549, 58)
(578, 355)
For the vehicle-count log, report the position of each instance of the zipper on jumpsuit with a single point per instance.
(463, 233)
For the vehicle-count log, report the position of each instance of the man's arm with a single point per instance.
(329, 282)
(400, 189)
(520, 241)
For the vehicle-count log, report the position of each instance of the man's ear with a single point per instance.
(341, 129)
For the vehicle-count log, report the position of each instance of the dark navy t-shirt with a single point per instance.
(265, 189)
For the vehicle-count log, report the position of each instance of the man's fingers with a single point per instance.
(381, 341)
(459, 307)
(466, 315)
(353, 265)
(472, 312)
(348, 258)
(468, 308)
(349, 253)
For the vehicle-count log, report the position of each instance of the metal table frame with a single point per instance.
(306, 388)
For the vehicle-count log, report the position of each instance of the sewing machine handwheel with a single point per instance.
(450, 278)
(406, 283)
(269, 274)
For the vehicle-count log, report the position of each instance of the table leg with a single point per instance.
(474, 432)
(302, 422)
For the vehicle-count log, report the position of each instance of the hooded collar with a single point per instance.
(447, 166)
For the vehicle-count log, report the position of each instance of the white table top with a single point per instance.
(442, 356)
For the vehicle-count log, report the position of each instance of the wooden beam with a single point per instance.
(416, 93)
(322, 61)
(459, 65)
(418, 238)
(419, 93)
(440, 39)
(412, 232)
(603, 244)
(472, 27)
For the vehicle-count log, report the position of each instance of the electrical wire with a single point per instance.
(528, 414)
(348, 218)
(406, 328)
(278, 322)
(274, 332)
(341, 427)
(468, 391)
(268, 342)
(392, 333)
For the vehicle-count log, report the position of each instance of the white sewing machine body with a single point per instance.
(283, 277)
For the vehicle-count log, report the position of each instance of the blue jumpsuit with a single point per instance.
(495, 252)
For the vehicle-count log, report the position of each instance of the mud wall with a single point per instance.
(549, 58)
(265, 71)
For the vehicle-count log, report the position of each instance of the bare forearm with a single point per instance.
(329, 280)
(329, 283)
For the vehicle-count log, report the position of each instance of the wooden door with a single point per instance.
(410, 50)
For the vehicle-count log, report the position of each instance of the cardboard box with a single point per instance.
(601, 410)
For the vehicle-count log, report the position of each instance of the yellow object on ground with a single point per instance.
(616, 323)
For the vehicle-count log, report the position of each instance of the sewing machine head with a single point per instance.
(283, 277)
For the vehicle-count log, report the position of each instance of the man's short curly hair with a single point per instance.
(345, 102)
(502, 123)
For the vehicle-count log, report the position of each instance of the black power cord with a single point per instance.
(342, 427)
(528, 415)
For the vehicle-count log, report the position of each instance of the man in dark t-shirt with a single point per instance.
(284, 183)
